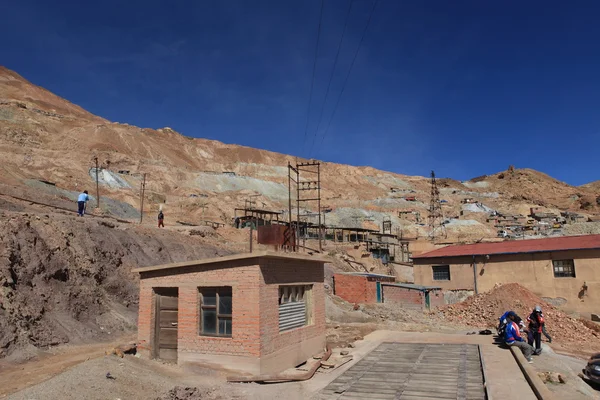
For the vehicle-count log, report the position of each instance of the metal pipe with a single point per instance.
(475, 275)
(283, 377)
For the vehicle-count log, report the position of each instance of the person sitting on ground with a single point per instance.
(81, 202)
(512, 337)
(503, 321)
(161, 218)
(536, 327)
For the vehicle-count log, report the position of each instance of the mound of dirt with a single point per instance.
(485, 309)
(190, 393)
(68, 279)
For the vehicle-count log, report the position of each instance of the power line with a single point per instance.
(312, 84)
(332, 73)
(349, 70)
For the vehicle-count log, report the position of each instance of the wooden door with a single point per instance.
(165, 337)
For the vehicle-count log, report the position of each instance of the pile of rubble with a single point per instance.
(484, 310)
(191, 393)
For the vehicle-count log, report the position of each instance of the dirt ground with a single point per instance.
(553, 363)
(132, 378)
(65, 279)
(83, 372)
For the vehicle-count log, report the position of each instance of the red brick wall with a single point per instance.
(244, 280)
(353, 288)
(288, 272)
(357, 288)
(436, 298)
(405, 297)
(371, 286)
(411, 298)
(255, 313)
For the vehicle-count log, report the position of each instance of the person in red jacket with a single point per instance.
(161, 219)
(536, 327)
(512, 337)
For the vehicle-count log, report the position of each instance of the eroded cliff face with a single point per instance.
(68, 279)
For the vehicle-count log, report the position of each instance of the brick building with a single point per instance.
(256, 313)
(562, 270)
(360, 288)
(409, 295)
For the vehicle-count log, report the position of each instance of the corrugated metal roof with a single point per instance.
(583, 242)
(413, 286)
(367, 274)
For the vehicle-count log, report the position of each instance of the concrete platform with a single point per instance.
(503, 377)
(412, 371)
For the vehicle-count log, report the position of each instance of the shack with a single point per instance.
(409, 295)
(360, 288)
(254, 313)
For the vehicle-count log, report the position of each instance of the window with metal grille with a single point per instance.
(441, 272)
(215, 311)
(294, 306)
(563, 268)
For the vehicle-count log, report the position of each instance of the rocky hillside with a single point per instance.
(44, 137)
(68, 279)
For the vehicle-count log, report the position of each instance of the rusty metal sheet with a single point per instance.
(277, 235)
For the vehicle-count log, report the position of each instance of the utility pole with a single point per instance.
(319, 206)
(97, 185)
(142, 198)
(436, 216)
(251, 230)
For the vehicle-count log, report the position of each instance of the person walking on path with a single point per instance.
(512, 337)
(81, 203)
(536, 328)
(161, 218)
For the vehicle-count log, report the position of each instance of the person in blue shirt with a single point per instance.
(503, 321)
(512, 337)
(81, 202)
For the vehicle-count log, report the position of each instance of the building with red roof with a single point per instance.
(565, 270)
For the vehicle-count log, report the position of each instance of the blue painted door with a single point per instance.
(379, 294)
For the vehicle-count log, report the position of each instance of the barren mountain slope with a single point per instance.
(539, 188)
(595, 186)
(45, 137)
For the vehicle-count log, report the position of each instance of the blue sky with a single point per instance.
(462, 87)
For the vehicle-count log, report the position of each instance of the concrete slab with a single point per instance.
(503, 376)
(406, 371)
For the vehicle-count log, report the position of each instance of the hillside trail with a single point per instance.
(18, 376)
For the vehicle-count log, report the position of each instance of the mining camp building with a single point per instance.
(255, 313)
(565, 271)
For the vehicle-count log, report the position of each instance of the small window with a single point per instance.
(215, 311)
(294, 306)
(441, 272)
(563, 268)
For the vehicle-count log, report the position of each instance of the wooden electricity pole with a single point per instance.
(251, 230)
(97, 186)
(142, 198)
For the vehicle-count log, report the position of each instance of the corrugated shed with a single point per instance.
(584, 242)
(413, 286)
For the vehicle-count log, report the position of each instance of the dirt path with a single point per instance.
(15, 377)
